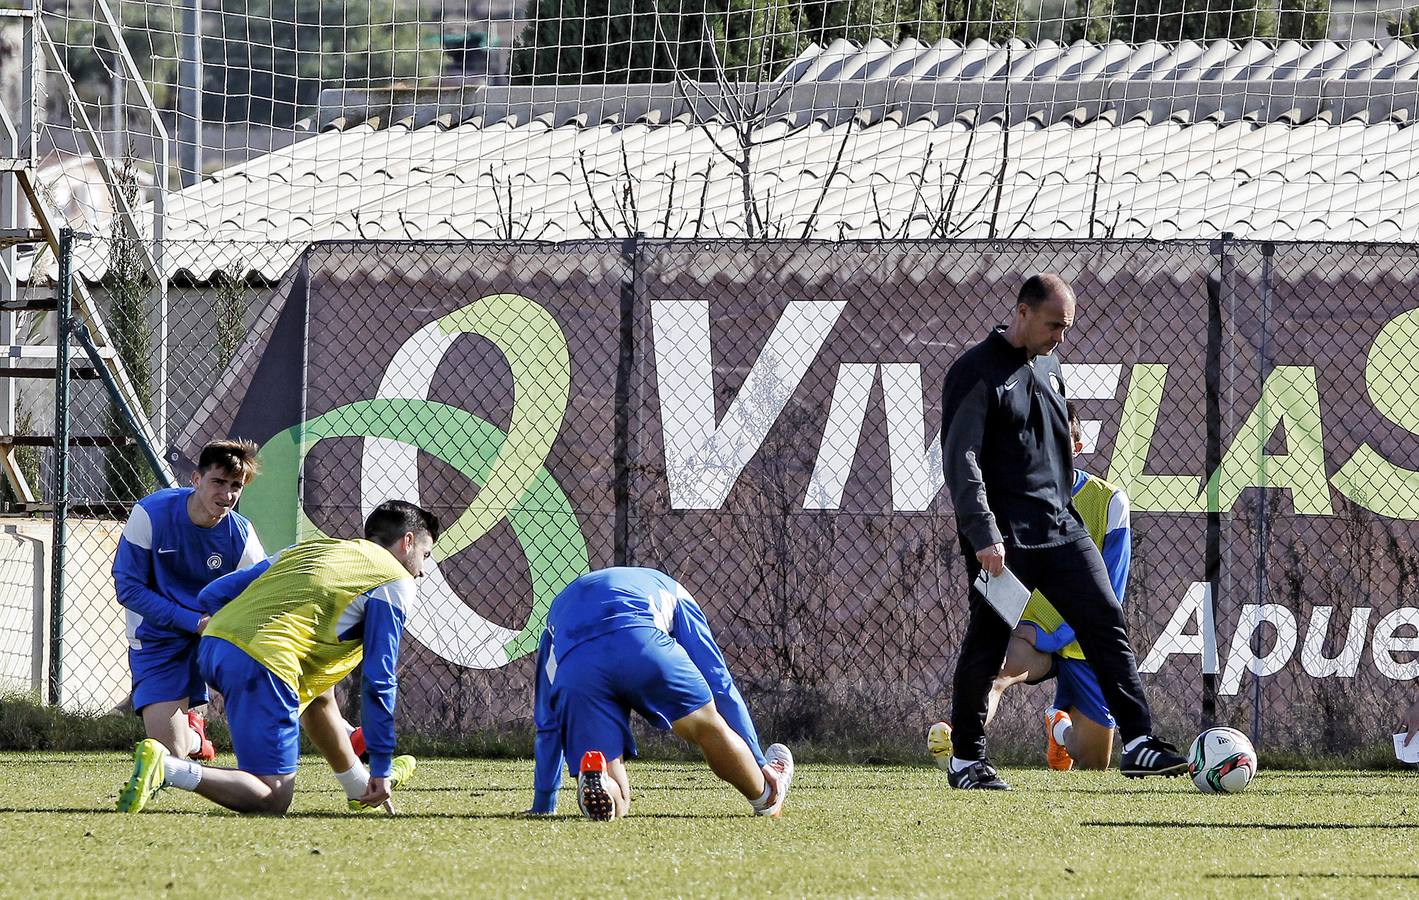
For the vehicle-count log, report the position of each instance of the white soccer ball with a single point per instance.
(1221, 761)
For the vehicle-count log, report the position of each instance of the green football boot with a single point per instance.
(147, 779)
(400, 771)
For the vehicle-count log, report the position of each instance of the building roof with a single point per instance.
(1285, 142)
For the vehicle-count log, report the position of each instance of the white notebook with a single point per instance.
(1408, 754)
(1006, 595)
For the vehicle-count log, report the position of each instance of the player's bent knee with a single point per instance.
(699, 724)
(281, 790)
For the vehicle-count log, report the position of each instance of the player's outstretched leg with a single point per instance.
(594, 787)
(730, 758)
(938, 744)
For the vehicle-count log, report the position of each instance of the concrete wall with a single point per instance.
(24, 575)
(94, 652)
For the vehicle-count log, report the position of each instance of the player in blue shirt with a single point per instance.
(175, 542)
(283, 633)
(632, 638)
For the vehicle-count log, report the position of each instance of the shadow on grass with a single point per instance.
(1369, 774)
(339, 814)
(1264, 826)
(1311, 875)
(1256, 791)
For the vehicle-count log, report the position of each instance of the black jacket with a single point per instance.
(1006, 448)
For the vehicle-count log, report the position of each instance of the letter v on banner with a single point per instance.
(703, 459)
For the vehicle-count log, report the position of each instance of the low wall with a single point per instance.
(94, 674)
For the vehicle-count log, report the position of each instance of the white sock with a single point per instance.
(1128, 748)
(958, 764)
(184, 774)
(763, 802)
(354, 781)
(1061, 730)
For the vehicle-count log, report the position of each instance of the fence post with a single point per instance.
(65, 304)
(1263, 524)
(625, 371)
(1212, 564)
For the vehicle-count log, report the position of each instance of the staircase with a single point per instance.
(39, 361)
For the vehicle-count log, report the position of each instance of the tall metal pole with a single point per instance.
(189, 87)
(65, 312)
(1217, 286)
(29, 77)
(118, 144)
(9, 262)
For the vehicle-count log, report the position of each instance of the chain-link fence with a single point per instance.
(762, 421)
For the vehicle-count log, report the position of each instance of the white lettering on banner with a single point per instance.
(840, 436)
(1194, 613)
(1195, 610)
(703, 459)
(1091, 381)
(916, 467)
(1241, 658)
(914, 460)
(1345, 663)
(1388, 642)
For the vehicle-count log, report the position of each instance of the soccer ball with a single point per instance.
(1221, 761)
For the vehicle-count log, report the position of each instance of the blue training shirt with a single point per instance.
(609, 600)
(164, 560)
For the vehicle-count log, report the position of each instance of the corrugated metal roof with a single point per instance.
(1151, 61)
(1182, 141)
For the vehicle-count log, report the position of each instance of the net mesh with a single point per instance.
(915, 125)
(494, 120)
(761, 421)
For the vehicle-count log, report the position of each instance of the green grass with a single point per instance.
(847, 830)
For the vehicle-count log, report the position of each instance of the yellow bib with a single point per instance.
(287, 619)
(1092, 501)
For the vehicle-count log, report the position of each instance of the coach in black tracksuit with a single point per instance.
(1008, 458)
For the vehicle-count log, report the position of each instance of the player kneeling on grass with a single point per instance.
(1079, 729)
(285, 632)
(632, 638)
(176, 542)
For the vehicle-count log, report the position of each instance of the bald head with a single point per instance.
(1044, 311)
(1044, 286)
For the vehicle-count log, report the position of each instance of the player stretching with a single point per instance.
(176, 541)
(632, 638)
(286, 631)
(1079, 729)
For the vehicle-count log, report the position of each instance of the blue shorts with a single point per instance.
(166, 670)
(1078, 687)
(602, 680)
(263, 712)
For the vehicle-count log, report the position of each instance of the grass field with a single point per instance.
(847, 830)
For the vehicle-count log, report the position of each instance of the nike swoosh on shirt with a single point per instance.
(1010, 384)
(167, 549)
